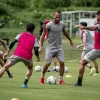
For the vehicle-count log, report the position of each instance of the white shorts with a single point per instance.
(92, 55)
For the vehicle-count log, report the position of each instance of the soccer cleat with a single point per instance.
(61, 82)
(96, 74)
(42, 80)
(48, 70)
(54, 70)
(77, 84)
(92, 71)
(10, 76)
(24, 86)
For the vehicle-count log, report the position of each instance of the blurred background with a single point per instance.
(15, 14)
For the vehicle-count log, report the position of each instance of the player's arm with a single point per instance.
(91, 28)
(36, 49)
(41, 41)
(4, 45)
(11, 45)
(67, 35)
(84, 42)
(79, 46)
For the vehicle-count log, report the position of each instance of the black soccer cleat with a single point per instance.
(77, 84)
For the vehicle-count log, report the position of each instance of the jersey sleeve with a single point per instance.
(17, 37)
(36, 43)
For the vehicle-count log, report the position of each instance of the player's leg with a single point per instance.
(88, 65)
(29, 72)
(96, 67)
(5, 67)
(54, 59)
(48, 58)
(60, 57)
(2, 62)
(90, 56)
(81, 72)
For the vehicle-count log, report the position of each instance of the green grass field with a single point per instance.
(11, 87)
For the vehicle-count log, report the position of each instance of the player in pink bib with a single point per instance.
(23, 52)
(94, 53)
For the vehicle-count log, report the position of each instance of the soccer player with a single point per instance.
(94, 53)
(3, 61)
(55, 28)
(54, 59)
(87, 46)
(23, 52)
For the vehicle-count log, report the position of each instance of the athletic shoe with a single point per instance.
(77, 84)
(48, 70)
(24, 86)
(61, 82)
(42, 80)
(96, 74)
(10, 76)
(92, 71)
(55, 70)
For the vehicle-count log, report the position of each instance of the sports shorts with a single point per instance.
(92, 55)
(54, 52)
(15, 59)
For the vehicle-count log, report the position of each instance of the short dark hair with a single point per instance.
(83, 23)
(30, 27)
(57, 11)
(98, 13)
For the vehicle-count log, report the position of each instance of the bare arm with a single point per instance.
(79, 46)
(91, 28)
(4, 45)
(84, 42)
(67, 35)
(41, 41)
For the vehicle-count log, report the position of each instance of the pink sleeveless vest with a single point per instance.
(25, 46)
(97, 39)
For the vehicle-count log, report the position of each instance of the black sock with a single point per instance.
(8, 72)
(97, 71)
(90, 67)
(25, 81)
(79, 80)
(5, 60)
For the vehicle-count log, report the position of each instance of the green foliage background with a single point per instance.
(12, 12)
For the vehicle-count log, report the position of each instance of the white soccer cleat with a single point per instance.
(92, 71)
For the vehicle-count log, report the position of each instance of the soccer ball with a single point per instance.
(14, 99)
(38, 68)
(66, 69)
(51, 80)
(57, 68)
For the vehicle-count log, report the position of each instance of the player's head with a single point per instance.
(98, 16)
(30, 27)
(41, 23)
(83, 23)
(57, 16)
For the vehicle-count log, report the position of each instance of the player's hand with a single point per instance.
(5, 55)
(77, 47)
(40, 50)
(71, 43)
(79, 26)
(84, 49)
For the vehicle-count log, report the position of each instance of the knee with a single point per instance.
(83, 62)
(61, 62)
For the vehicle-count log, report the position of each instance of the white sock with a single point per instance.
(60, 78)
(42, 75)
(49, 68)
(54, 67)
